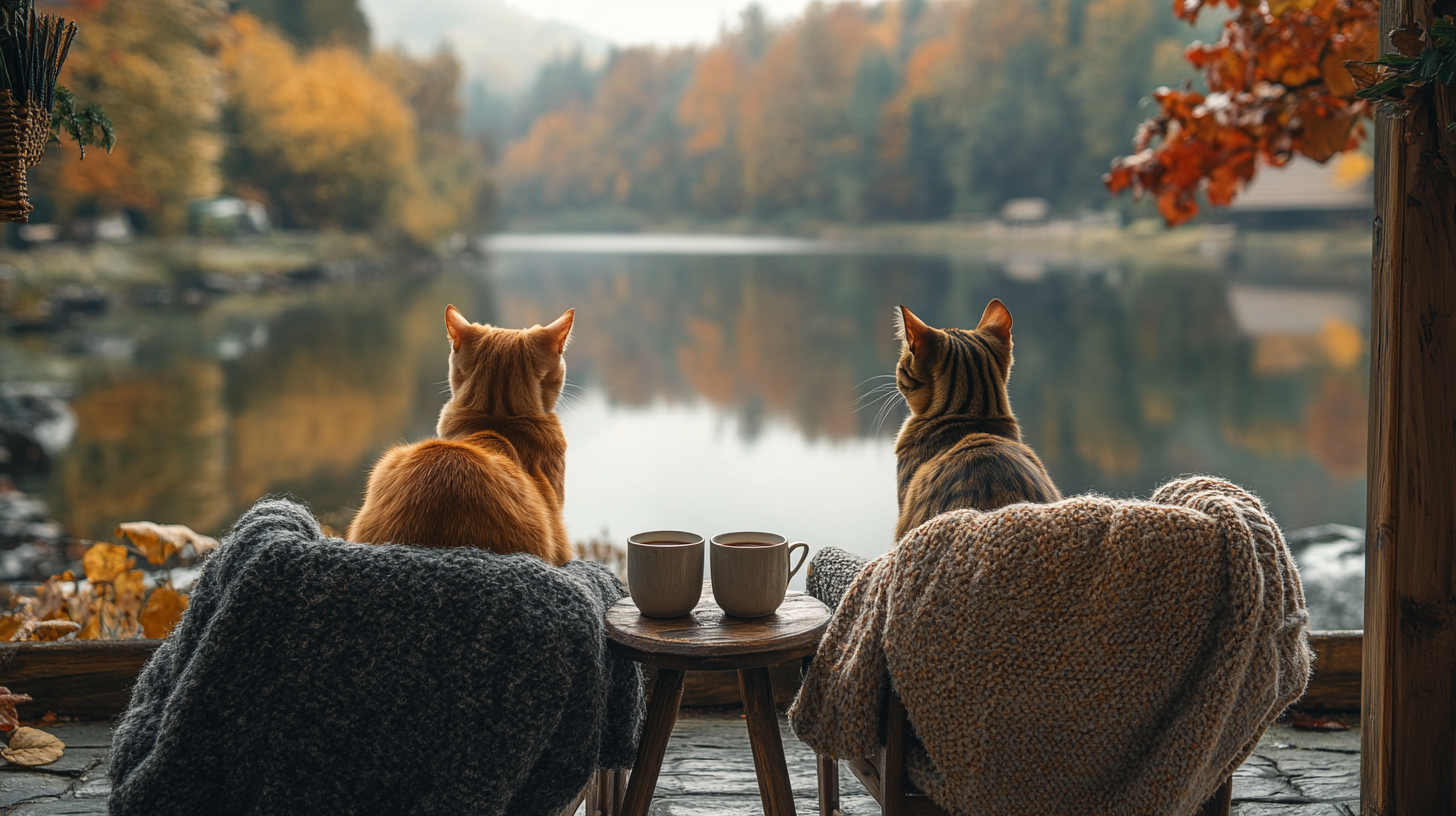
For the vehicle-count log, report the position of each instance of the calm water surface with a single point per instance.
(723, 384)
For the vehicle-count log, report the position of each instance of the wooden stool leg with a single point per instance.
(768, 746)
(661, 716)
(828, 768)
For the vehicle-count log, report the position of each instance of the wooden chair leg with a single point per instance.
(1220, 802)
(594, 794)
(893, 773)
(619, 791)
(828, 768)
(661, 716)
(584, 796)
(767, 744)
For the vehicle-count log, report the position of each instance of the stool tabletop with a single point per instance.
(709, 639)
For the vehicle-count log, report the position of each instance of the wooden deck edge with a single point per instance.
(89, 679)
(94, 679)
(1335, 683)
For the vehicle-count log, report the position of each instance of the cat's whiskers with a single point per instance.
(875, 377)
(570, 398)
(879, 404)
(876, 394)
(896, 400)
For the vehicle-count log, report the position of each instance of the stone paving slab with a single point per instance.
(709, 770)
(75, 784)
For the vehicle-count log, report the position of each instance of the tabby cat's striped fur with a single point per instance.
(961, 447)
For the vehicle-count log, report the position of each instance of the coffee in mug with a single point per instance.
(751, 572)
(665, 572)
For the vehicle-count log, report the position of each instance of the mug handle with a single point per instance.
(802, 556)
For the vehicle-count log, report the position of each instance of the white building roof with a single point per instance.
(1305, 184)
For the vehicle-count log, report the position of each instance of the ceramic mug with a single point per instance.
(751, 572)
(665, 572)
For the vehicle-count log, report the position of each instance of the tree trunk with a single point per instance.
(1408, 762)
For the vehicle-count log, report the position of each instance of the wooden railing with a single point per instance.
(94, 678)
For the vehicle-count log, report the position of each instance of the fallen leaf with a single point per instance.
(131, 591)
(159, 541)
(108, 623)
(1304, 722)
(33, 747)
(103, 562)
(80, 608)
(9, 624)
(8, 717)
(45, 631)
(51, 597)
(163, 612)
(48, 718)
(92, 629)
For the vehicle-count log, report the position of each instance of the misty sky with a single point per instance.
(630, 22)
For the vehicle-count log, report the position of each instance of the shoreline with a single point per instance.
(1330, 254)
(49, 287)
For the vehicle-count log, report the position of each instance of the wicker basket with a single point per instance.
(37, 134)
(15, 152)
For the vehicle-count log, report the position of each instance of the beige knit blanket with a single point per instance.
(1092, 656)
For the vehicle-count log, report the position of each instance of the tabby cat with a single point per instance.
(960, 447)
(495, 476)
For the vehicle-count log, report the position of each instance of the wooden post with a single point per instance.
(1408, 744)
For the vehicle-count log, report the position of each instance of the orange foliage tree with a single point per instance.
(1277, 87)
(853, 111)
(624, 148)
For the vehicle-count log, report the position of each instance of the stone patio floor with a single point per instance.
(709, 770)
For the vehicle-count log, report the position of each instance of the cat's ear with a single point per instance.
(996, 320)
(455, 326)
(559, 332)
(911, 330)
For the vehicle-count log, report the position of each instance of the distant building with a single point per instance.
(1306, 194)
(227, 216)
(1025, 211)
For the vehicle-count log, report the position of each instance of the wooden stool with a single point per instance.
(710, 640)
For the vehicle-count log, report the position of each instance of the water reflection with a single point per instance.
(719, 390)
(1120, 382)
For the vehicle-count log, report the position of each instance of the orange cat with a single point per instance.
(495, 477)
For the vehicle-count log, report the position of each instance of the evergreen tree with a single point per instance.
(311, 23)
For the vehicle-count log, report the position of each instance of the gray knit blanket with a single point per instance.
(312, 675)
(1092, 656)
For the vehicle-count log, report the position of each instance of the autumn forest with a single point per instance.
(903, 109)
(895, 110)
(278, 102)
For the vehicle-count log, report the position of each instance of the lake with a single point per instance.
(720, 384)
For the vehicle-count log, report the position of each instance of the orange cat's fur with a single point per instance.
(495, 477)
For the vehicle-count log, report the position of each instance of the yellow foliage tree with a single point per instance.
(325, 138)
